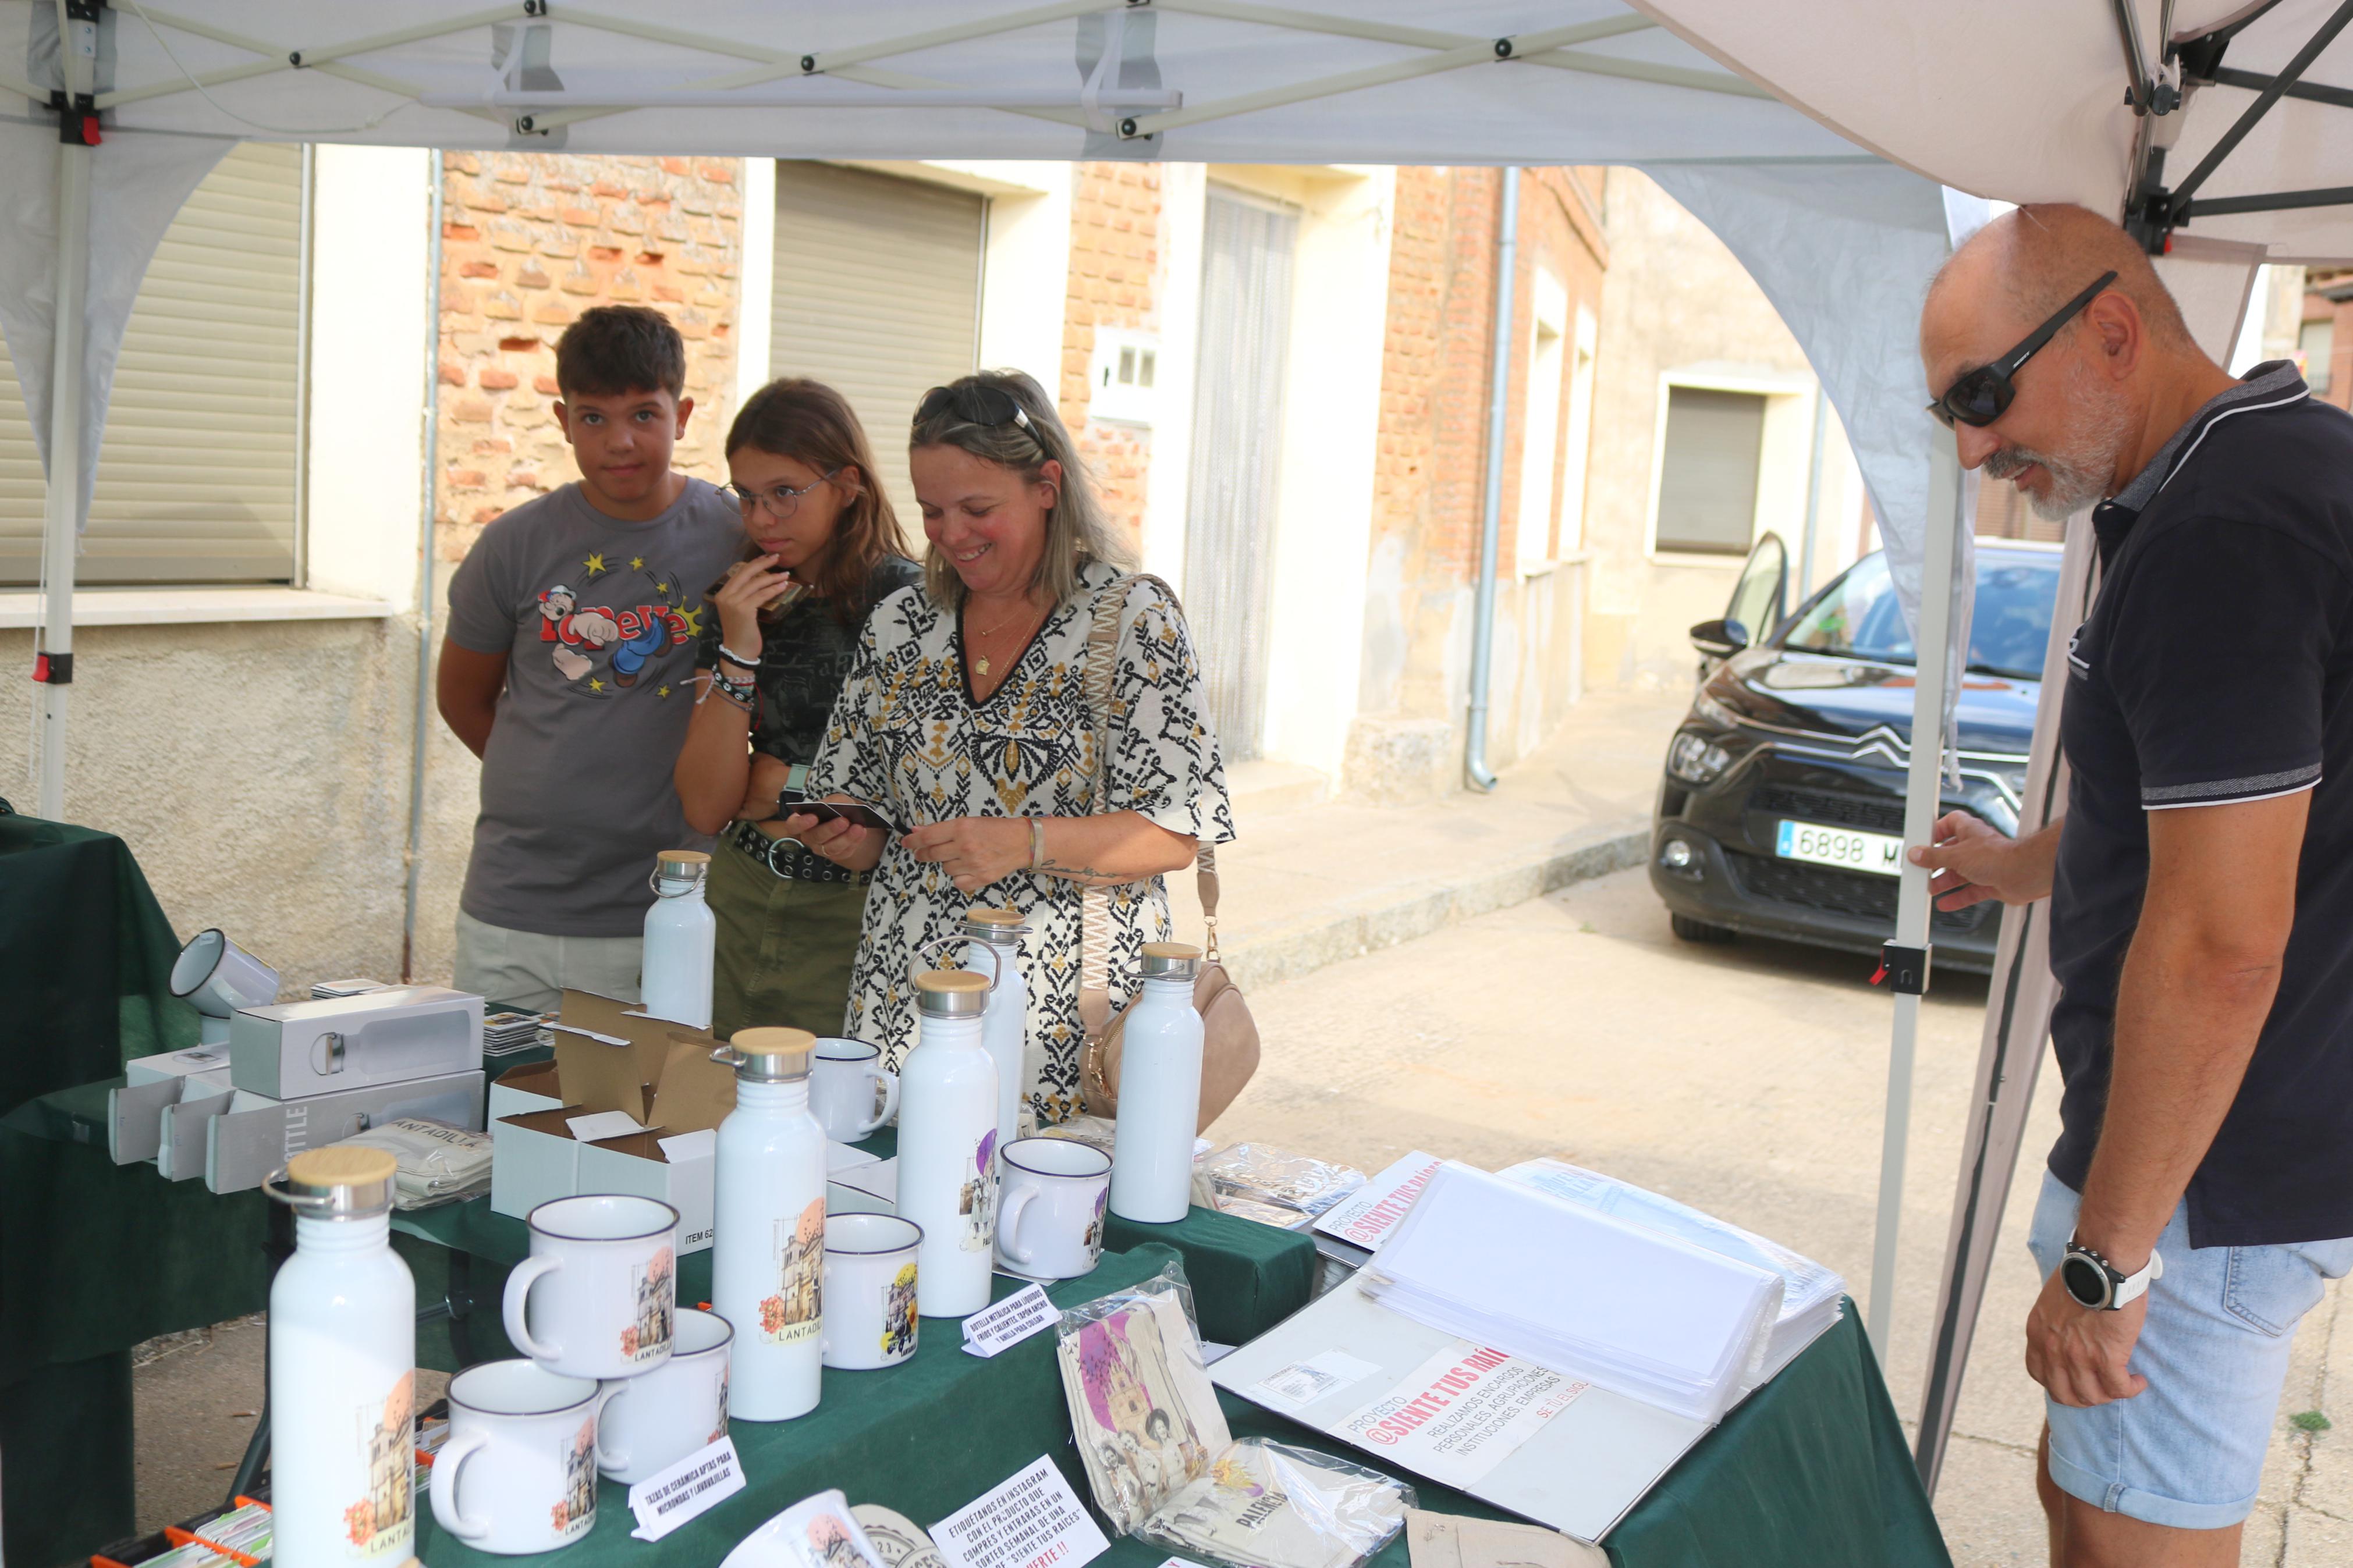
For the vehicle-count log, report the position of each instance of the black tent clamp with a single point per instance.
(2154, 210)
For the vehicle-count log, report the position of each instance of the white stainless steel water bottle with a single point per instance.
(1159, 1091)
(947, 1143)
(343, 1368)
(768, 1244)
(1005, 1027)
(682, 935)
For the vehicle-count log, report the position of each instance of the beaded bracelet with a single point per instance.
(732, 657)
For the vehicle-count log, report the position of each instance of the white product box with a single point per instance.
(176, 1064)
(247, 1143)
(295, 1049)
(136, 1112)
(652, 1165)
(534, 1158)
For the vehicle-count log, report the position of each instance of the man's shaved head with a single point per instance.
(2042, 256)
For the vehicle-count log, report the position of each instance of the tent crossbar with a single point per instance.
(1591, 64)
(876, 77)
(2136, 58)
(276, 59)
(746, 98)
(2276, 201)
(1470, 52)
(1346, 27)
(960, 33)
(2289, 75)
(2309, 91)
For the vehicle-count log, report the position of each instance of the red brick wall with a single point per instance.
(1114, 281)
(531, 239)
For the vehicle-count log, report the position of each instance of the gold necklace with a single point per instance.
(980, 660)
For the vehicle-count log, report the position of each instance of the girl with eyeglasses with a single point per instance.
(822, 548)
(967, 721)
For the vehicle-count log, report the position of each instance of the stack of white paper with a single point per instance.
(1579, 1292)
(1809, 1293)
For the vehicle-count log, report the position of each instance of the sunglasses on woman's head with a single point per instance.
(1980, 396)
(974, 403)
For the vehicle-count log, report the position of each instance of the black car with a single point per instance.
(1782, 809)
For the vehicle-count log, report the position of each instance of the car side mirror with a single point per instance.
(1719, 638)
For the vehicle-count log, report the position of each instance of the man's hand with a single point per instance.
(2081, 1354)
(974, 850)
(1972, 860)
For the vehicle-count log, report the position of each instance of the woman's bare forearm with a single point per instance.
(1107, 850)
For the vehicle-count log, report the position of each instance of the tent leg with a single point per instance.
(1922, 794)
(61, 533)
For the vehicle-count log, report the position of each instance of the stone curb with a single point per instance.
(1399, 913)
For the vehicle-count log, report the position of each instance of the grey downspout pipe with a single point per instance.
(1475, 771)
(432, 447)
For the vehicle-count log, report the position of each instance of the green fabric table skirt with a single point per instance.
(1811, 1471)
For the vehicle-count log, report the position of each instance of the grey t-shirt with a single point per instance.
(598, 618)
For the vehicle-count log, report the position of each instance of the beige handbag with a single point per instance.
(1230, 1044)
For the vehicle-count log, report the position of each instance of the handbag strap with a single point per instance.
(1094, 905)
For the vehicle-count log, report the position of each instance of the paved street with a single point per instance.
(1746, 1080)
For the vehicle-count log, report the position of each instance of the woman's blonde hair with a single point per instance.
(1003, 416)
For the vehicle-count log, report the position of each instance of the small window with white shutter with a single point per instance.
(199, 477)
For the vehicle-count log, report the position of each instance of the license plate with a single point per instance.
(1879, 853)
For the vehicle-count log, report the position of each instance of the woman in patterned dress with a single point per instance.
(965, 722)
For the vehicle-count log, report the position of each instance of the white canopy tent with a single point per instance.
(2219, 131)
(111, 114)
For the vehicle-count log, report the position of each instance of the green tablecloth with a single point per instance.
(1811, 1471)
(85, 964)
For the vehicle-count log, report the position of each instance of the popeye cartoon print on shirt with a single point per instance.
(618, 629)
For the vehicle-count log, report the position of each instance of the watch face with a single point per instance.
(2084, 1280)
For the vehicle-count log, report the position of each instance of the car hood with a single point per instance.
(1849, 697)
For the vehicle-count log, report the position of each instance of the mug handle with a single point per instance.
(606, 1458)
(890, 1082)
(519, 1292)
(444, 1489)
(1008, 1225)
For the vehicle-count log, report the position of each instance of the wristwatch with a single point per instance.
(2097, 1284)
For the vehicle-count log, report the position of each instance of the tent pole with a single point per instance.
(430, 450)
(1813, 495)
(61, 531)
(1922, 793)
(1475, 770)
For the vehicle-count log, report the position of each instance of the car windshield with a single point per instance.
(1858, 616)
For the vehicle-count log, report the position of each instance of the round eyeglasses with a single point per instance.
(781, 501)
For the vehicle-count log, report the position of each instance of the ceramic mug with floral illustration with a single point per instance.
(1050, 1215)
(654, 1420)
(869, 1291)
(518, 1473)
(597, 1298)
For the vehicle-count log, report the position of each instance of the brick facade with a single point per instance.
(1114, 281)
(531, 239)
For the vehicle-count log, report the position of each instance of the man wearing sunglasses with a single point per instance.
(2200, 1194)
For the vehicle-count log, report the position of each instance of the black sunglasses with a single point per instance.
(1980, 396)
(974, 403)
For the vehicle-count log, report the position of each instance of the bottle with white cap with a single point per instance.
(682, 936)
(343, 1367)
(1159, 1091)
(1005, 1027)
(948, 1142)
(768, 1244)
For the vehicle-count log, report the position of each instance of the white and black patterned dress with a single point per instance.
(907, 735)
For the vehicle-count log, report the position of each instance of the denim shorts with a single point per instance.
(2187, 1450)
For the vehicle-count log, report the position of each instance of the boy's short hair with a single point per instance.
(613, 350)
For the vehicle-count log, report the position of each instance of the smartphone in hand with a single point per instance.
(858, 814)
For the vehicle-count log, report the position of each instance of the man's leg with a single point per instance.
(607, 965)
(2083, 1537)
(507, 968)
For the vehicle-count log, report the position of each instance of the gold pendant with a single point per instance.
(981, 664)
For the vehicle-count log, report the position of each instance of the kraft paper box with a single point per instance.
(609, 1056)
(676, 1171)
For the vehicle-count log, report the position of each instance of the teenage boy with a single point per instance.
(569, 670)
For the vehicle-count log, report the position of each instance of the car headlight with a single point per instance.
(1695, 758)
(1714, 712)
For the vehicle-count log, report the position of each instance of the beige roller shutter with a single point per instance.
(877, 294)
(197, 479)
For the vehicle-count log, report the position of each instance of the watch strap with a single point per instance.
(2130, 1288)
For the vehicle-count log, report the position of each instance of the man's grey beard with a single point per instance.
(2083, 473)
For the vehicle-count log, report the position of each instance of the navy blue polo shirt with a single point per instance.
(2214, 668)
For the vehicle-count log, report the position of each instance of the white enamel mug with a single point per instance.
(605, 1272)
(851, 1094)
(869, 1291)
(657, 1418)
(518, 1473)
(1050, 1211)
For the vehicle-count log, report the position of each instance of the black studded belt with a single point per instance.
(791, 857)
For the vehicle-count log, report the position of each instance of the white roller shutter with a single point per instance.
(199, 478)
(877, 295)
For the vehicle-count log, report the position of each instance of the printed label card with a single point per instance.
(1033, 1520)
(664, 1501)
(998, 1328)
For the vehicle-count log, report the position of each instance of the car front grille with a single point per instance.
(1872, 814)
(1856, 894)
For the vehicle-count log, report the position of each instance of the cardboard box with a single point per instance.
(611, 1057)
